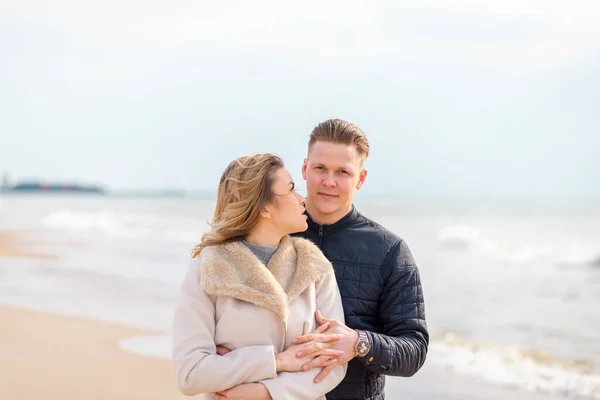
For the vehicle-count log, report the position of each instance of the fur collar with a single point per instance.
(233, 270)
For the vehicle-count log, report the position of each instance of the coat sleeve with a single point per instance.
(198, 367)
(301, 385)
(401, 348)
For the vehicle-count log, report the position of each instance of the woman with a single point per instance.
(251, 288)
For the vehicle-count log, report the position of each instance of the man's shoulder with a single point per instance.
(392, 249)
(362, 242)
(365, 228)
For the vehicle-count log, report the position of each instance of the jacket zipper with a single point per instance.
(320, 236)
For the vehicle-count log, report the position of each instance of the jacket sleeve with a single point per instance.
(401, 348)
(301, 385)
(198, 367)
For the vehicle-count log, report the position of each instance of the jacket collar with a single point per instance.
(233, 270)
(343, 222)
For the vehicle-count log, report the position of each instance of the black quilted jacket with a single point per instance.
(381, 293)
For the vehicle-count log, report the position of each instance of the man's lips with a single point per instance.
(327, 195)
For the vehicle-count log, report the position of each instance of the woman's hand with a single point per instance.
(350, 337)
(318, 352)
(245, 391)
(323, 353)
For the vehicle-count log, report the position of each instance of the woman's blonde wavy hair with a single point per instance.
(244, 190)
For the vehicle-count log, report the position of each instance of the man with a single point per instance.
(386, 332)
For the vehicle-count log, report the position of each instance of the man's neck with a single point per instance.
(327, 219)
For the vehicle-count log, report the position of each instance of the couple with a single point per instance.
(260, 311)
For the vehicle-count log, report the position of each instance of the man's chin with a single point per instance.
(328, 209)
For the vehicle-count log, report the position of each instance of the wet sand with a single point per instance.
(17, 244)
(46, 356)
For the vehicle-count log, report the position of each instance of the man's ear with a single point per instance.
(362, 176)
(304, 165)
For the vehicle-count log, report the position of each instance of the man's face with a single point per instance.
(332, 172)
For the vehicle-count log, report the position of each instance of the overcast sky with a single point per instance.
(471, 97)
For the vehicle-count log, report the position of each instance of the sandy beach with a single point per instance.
(53, 356)
(17, 244)
(57, 357)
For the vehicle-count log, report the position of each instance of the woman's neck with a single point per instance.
(263, 236)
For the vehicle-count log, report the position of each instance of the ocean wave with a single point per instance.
(469, 238)
(129, 225)
(526, 369)
(589, 260)
(117, 224)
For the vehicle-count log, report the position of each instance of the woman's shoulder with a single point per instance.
(218, 251)
(211, 267)
(207, 256)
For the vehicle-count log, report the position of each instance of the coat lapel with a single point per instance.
(233, 270)
(311, 266)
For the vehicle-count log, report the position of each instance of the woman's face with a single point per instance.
(286, 210)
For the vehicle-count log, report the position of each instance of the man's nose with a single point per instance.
(328, 180)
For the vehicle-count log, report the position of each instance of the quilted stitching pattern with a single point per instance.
(381, 293)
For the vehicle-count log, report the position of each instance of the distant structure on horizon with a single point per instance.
(36, 186)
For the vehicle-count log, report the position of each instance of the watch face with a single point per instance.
(362, 348)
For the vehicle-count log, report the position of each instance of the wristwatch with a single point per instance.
(363, 345)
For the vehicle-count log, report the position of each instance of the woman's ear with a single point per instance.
(265, 213)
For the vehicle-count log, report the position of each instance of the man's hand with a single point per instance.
(323, 353)
(311, 344)
(222, 350)
(245, 391)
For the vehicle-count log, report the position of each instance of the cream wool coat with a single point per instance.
(230, 298)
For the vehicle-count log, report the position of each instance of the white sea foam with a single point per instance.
(152, 346)
(469, 238)
(512, 366)
(120, 224)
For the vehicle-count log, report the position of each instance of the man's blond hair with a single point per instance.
(342, 132)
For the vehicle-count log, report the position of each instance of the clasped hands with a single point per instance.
(328, 346)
